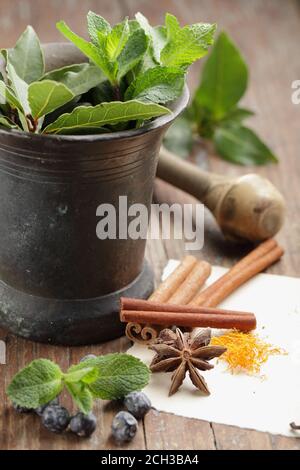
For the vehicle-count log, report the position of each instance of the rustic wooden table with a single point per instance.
(268, 32)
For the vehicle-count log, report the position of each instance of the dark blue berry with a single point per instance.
(124, 427)
(55, 418)
(22, 409)
(83, 425)
(40, 410)
(138, 404)
(89, 356)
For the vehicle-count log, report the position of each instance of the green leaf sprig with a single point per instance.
(136, 66)
(28, 94)
(107, 377)
(215, 113)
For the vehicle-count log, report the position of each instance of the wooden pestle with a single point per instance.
(246, 208)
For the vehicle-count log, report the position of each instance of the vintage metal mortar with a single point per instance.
(58, 282)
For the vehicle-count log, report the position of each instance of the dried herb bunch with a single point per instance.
(181, 353)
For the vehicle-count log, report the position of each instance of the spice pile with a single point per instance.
(245, 352)
(182, 353)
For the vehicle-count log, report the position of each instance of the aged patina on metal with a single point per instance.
(58, 282)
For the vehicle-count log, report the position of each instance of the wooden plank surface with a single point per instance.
(268, 32)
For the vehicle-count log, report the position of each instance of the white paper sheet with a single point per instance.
(267, 403)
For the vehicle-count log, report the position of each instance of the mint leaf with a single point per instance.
(27, 56)
(36, 384)
(97, 24)
(224, 78)
(242, 146)
(172, 26)
(79, 78)
(119, 374)
(86, 374)
(186, 45)
(238, 115)
(116, 39)
(115, 51)
(158, 84)
(94, 53)
(46, 96)
(81, 396)
(158, 36)
(108, 377)
(132, 53)
(87, 118)
(179, 138)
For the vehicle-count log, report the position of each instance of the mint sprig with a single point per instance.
(107, 377)
(81, 395)
(224, 79)
(186, 45)
(133, 68)
(215, 113)
(117, 376)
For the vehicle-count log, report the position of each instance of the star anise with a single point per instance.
(181, 353)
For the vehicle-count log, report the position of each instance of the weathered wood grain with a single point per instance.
(170, 432)
(232, 438)
(268, 32)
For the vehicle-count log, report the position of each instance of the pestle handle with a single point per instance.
(185, 175)
(248, 207)
(191, 179)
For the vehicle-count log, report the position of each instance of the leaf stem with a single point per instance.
(117, 93)
(32, 123)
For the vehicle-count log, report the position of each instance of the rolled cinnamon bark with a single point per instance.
(167, 288)
(238, 275)
(261, 250)
(181, 287)
(226, 320)
(145, 334)
(192, 284)
(141, 334)
(138, 305)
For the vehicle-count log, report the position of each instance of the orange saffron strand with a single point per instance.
(246, 352)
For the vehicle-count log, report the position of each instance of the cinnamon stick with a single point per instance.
(181, 287)
(141, 334)
(148, 333)
(128, 304)
(167, 288)
(211, 318)
(238, 275)
(192, 284)
(261, 250)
